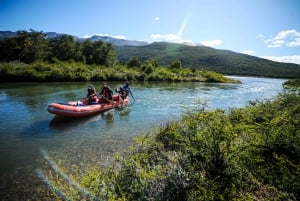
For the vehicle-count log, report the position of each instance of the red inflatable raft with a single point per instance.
(83, 108)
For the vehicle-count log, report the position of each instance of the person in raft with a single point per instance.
(92, 95)
(126, 90)
(106, 93)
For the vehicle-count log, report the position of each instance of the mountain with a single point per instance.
(106, 39)
(117, 41)
(197, 57)
(207, 58)
(7, 34)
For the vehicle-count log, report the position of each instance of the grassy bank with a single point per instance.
(76, 71)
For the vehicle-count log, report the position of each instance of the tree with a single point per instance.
(98, 53)
(32, 46)
(176, 65)
(8, 49)
(87, 51)
(26, 47)
(78, 55)
(63, 47)
(111, 57)
(134, 62)
(149, 66)
(35, 46)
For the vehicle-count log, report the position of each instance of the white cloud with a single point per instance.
(211, 43)
(286, 59)
(249, 52)
(174, 38)
(260, 36)
(289, 38)
(286, 34)
(294, 43)
(86, 36)
(119, 37)
(276, 43)
(156, 19)
(166, 37)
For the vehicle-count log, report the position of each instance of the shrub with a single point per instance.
(247, 154)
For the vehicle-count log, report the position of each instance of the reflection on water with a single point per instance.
(65, 123)
(26, 127)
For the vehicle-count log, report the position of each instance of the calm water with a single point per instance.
(27, 129)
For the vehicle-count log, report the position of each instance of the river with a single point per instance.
(29, 135)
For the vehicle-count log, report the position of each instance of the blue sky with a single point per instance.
(263, 28)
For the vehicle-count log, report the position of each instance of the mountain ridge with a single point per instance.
(207, 58)
(106, 39)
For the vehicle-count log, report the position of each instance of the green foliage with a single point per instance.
(76, 71)
(63, 48)
(249, 153)
(292, 84)
(176, 65)
(162, 74)
(26, 47)
(134, 62)
(214, 77)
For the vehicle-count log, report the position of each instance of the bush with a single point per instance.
(246, 154)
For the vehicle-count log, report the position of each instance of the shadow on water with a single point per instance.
(38, 129)
(65, 123)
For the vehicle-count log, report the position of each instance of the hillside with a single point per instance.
(206, 58)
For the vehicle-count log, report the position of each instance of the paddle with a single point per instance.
(131, 95)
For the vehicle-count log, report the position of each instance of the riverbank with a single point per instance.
(79, 72)
(58, 173)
